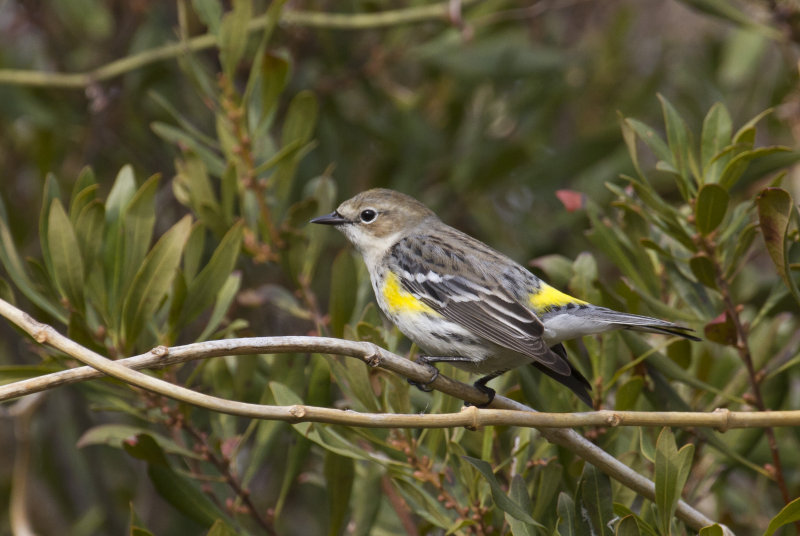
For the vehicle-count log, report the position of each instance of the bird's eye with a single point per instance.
(368, 215)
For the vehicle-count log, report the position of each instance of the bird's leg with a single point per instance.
(481, 386)
(428, 361)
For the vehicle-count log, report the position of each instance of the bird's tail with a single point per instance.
(640, 323)
(575, 381)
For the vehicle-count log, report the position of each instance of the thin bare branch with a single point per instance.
(371, 354)
(339, 21)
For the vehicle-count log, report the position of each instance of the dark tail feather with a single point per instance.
(575, 381)
(674, 330)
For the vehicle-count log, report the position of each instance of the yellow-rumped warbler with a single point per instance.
(466, 304)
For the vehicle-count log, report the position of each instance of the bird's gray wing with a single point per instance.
(485, 308)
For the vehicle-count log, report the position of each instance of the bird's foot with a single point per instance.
(425, 386)
(490, 393)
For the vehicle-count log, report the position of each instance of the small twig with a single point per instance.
(224, 468)
(19, 512)
(372, 355)
(399, 505)
(340, 21)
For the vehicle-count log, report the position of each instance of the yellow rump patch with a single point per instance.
(398, 300)
(547, 298)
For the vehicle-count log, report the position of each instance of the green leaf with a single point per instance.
(214, 164)
(651, 138)
(339, 477)
(703, 269)
(519, 494)
(138, 222)
(115, 435)
(717, 127)
(319, 434)
(567, 523)
(176, 489)
(121, 193)
(65, 254)
(301, 119)
(628, 393)
(343, 292)
(728, 11)
(51, 193)
(775, 207)
(712, 204)
(6, 292)
(788, 514)
(367, 499)
(503, 501)
(193, 177)
(203, 289)
(194, 250)
(18, 272)
(85, 179)
(210, 13)
(89, 229)
(721, 330)
(274, 76)
(136, 525)
(81, 200)
(678, 140)
(627, 526)
(711, 530)
(233, 35)
(594, 491)
(738, 164)
(225, 297)
(153, 280)
(671, 471)
(222, 528)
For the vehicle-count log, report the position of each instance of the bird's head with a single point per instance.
(375, 220)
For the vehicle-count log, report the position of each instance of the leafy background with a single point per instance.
(190, 223)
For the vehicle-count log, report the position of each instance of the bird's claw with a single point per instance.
(490, 393)
(425, 386)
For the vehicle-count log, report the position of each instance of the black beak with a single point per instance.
(334, 218)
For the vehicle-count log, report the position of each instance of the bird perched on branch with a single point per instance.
(466, 304)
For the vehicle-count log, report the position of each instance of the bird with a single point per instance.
(463, 302)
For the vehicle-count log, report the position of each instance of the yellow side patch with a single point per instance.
(398, 300)
(547, 298)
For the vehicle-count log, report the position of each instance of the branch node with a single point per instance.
(614, 419)
(725, 415)
(160, 351)
(297, 411)
(373, 359)
(475, 414)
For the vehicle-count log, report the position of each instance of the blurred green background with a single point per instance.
(484, 117)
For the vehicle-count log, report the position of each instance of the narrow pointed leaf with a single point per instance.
(789, 514)
(627, 526)
(567, 523)
(153, 280)
(65, 254)
(202, 290)
(503, 501)
(717, 127)
(711, 530)
(703, 269)
(671, 471)
(18, 273)
(712, 204)
(233, 35)
(339, 477)
(595, 499)
(775, 207)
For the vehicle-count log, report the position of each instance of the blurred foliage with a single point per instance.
(687, 199)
